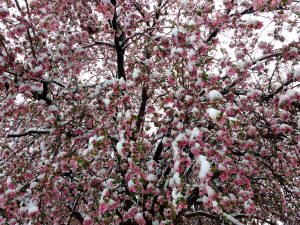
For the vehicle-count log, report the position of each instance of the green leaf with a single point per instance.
(205, 75)
(82, 162)
(143, 181)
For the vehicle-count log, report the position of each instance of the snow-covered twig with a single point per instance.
(230, 218)
(30, 131)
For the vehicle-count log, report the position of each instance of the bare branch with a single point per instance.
(99, 43)
(74, 213)
(142, 109)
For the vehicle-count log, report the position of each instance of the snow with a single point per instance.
(283, 127)
(43, 145)
(231, 219)
(46, 77)
(194, 110)
(193, 38)
(98, 88)
(151, 177)
(214, 95)
(4, 11)
(214, 114)
(119, 147)
(136, 74)
(138, 216)
(175, 196)
(53, 109)
(247, 204)
(221, 167)
(122, 81)
(251, 21)
(176, 178)
(30, 130)
(79, 50)
(2, 63)
(36, 88)
(130, 184)
(60, 46)
(106, 101)
(214, 204)
(179, 92)
(33, 185)
(195, 133)
(297, 73)
(184, 2)
(188, 98)
(192, 22)
(176, 30)
(240, 65)
(175, 144)
(37, 69)
(254, 93)
(42, 57)
(209, 191)
(32, 208)
(204, 166)
(155, 74)
(191, 53)
(156, 222)
(92, 140)
(232, 120)
(23, 209)
(128, 115)
(287, 96)
(176, 50)
(9, 181)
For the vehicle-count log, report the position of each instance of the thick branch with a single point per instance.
(158, 151)
(74, 213)
(99, 43)
(142, 110)
(119, 38)
(43, 95)
(120, 58)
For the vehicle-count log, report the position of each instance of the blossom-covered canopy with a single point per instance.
(149, 112)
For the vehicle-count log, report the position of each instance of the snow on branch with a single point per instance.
(226, 216)
(29, 131)
(268, 56)
(231, 219)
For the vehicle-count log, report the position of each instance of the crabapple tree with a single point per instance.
(149, 112)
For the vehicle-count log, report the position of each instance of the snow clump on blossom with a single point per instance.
(214, 114)
(214, 95)
(204, 166)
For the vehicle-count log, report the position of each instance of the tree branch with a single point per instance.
(99, 43)
(199, 213)
(74, 213)
(230, 218)
(29, 132)
(140, 10)
(142, 109)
